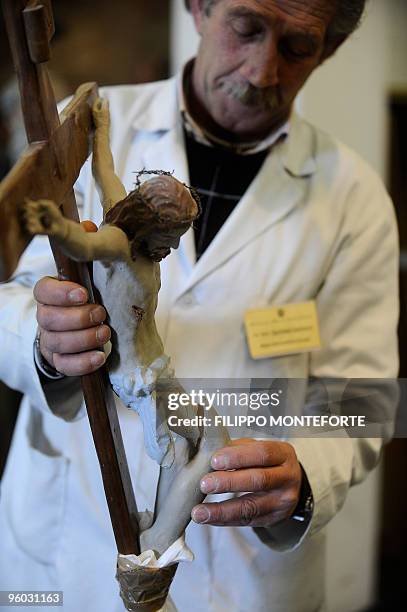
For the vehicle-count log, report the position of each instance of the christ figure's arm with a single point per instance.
(110, 243)
(109, 186)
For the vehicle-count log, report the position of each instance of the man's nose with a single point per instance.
(261, 66)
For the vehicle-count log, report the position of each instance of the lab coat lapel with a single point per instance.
(279, 187)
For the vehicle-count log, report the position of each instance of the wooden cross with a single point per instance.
(58, 147)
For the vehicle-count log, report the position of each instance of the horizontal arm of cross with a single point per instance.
(46, 170)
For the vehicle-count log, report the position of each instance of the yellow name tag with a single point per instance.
(281, 330)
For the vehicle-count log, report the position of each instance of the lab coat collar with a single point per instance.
(299, 149)
(163, 115)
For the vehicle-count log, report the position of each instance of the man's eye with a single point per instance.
(296, 51)
(246, 28)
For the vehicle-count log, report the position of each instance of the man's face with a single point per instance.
(254, 57)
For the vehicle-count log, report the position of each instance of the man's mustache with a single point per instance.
(267, 98)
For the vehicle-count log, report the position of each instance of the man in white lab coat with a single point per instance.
(289, 216)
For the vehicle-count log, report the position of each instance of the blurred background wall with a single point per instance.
(353, 97)
(98, 40)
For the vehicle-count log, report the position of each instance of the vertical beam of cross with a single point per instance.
(30, 28)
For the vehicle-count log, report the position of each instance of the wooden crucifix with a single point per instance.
(58, 147)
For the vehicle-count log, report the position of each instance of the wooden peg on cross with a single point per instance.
(58, 147)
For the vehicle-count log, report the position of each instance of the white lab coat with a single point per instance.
(316, 223)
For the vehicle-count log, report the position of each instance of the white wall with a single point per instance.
(184, 39)
(347, 97)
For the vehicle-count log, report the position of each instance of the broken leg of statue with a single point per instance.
(145, 580)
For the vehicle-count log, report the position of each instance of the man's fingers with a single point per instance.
(71, 330)
(256, 454)
(240, 441)
(71, 342)
(47, 354)
(54, 292)
(79, 365)
(254, 479)
(253, 509)
(55, 318)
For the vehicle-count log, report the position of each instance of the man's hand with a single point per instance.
(268, 469)
(72, 333)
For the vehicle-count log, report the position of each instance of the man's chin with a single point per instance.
(245, 129)
(250, 123)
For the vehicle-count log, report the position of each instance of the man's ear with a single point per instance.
(197, 12)
(331, 46)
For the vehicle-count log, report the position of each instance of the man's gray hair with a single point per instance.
(346, 20)
(207, 5)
